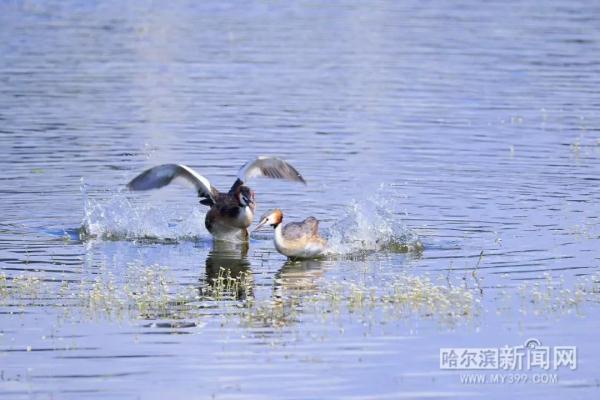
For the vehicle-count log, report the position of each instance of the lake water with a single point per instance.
(452, 153)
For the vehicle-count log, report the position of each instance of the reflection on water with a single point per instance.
(230, 260)
(297, 277)
(451, 153)
(227, 255)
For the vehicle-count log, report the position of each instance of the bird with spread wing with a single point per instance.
(230, 213)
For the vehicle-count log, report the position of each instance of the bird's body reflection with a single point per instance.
(297, 278)
(229, 278)
(229, 260)
(228, 275)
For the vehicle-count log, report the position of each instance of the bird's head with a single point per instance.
(272, 218)
(245, 197)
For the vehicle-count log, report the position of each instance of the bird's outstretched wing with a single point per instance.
(270, 167)
(162, 175)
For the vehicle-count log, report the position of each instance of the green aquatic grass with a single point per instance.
(101, 297)
(4, 292)
(403, 297)
(227, 287)
(551, 296)
(146, 293)
(27, 285)
(149, 292)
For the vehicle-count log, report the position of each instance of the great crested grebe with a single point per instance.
(230, 213)
(295, 239)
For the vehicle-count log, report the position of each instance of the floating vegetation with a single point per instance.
(424, 296)
(585, 146)
(27, 286)
(144, 293)
(101, 297)
(270, 313)
(403, 297)
(148, 289)
(148, 292)
(585, 231)
(551, 296)
(3, 287)
(227, 287)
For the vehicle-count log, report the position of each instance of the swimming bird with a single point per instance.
(230, 213)
(295, 239)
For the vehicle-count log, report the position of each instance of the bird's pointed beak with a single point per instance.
(260, 225)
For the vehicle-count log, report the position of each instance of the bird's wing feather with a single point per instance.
(162, 175)
(294, 231)
(307, 228)
(311, 224)
(270, 167)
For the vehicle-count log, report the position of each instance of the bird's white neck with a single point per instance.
(245, 217)
(278, 237)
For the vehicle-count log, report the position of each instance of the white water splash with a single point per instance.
(117, 217)
(371, 225)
